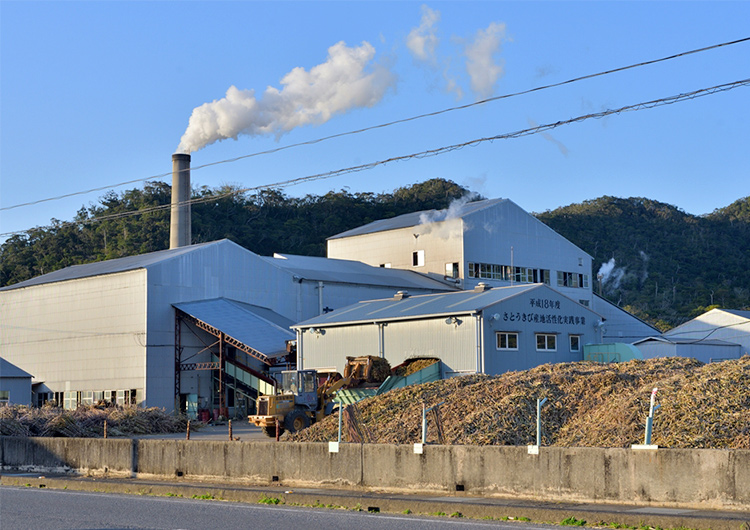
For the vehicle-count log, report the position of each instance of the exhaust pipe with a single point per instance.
(180, 227)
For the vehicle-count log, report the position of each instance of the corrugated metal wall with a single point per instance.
(87, 334)
(331, 347)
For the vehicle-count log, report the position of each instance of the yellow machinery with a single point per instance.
(301, 402)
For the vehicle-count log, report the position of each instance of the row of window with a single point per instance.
(546, 342)
(507, 273)
(73, 399)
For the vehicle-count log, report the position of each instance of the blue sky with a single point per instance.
(97, 93)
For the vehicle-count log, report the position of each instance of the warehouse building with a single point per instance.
(716, 335)
(483, 330)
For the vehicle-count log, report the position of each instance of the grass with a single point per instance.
(572, 521)
(269, 500)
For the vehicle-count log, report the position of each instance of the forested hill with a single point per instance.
(659, 262)
(668, 265)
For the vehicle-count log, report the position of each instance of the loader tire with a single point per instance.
(295, 421)
(271, 431)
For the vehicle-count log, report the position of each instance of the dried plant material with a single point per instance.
(589, 404)
(87, 421)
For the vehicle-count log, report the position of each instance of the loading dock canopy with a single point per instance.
(255, 330)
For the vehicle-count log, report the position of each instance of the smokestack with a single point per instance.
(180, 228)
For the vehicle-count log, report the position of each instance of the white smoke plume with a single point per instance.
(481, 63)
(422, 41)
(547, 136)
(446, 229)
(644, 272)
(347, 80)
(610, 276)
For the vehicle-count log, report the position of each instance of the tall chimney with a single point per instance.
(179, 227)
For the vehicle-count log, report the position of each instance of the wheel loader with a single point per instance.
(306, 396)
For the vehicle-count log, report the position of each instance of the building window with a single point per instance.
(571, 279)
(4, 397)
(507, 341)
(575, 343)
(451, 270)
(417, 258)
(70, 400)
(546, 342)
(385, 265)
(584, 302)
(506, 273)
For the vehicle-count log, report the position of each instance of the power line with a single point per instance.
(388, 124)
(425, 154)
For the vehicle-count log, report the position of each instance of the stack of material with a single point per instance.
(367, 369)
(589, 404)
(413, 365)
(87, 422)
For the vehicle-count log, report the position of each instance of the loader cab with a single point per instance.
(303, 384)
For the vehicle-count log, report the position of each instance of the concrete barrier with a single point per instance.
(693, 478)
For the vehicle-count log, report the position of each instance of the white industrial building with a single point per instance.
(483, 330)
(716, 335)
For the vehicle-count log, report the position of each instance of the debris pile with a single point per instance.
(87, 421)
(413, 366)
(589, 404)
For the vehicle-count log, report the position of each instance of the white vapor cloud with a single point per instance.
(336, 86)
(481, 65)
(547, 136)
(422, 41)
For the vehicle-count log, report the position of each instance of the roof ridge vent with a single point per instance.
(481, 287)
(401, 295)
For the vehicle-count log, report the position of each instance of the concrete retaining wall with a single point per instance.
(700, 478)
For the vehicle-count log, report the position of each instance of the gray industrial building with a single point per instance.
(716, 335)
(490, 241)
(153, 328)
(483, 330)
(15, 385)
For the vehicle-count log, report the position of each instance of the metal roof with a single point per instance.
(737, 313)
(462, 302)
(672, 340)
(258, 327)
(355, 272)
(8, 370)
(111, 266)
(417, 218)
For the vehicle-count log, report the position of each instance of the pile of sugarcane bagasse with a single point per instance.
(87, 421)
(588, 405)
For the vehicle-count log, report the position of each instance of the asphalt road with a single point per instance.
(42, 509)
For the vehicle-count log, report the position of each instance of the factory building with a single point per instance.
(483, 330)
(156, 328)
(490, 241)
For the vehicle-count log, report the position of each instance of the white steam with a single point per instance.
(480, 56)
(481, 64)
(428, 221)
(610, 276)
(422, 41)
(336, 86)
